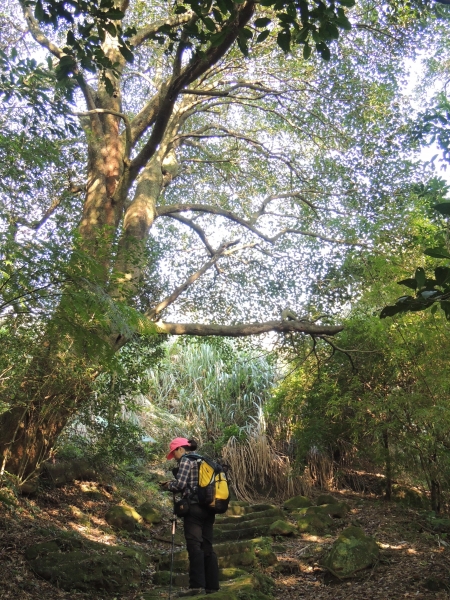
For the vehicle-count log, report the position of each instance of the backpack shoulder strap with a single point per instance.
(193, 457)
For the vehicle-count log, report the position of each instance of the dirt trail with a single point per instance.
(411, 554)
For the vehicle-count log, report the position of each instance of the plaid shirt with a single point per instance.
(187, 477)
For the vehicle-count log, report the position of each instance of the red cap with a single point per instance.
(176, 443)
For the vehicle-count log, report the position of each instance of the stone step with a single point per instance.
(244, 523)
(237, 509)
(255, 586)
(245, 530)
(234, 519)
(182, 579)
(229, 554)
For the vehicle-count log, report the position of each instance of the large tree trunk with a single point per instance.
(51, 393)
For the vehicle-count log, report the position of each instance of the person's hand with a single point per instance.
(164, 485)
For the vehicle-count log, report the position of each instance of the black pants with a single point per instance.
(198, 531)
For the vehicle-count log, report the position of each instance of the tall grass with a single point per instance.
(211, 389)
(259, 470)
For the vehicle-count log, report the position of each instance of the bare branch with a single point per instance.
(37, 33)
(189, 281)
(35, 225)
(216, 210)
(198, 230)
(247, 329)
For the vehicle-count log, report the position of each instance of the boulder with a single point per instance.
(78, 564)
(149, 513)
(297, 502)
(281, 528)
(123, 516)
(325, 499)
(350, 553)
(314, 524)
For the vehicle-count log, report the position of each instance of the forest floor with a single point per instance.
(412, 557)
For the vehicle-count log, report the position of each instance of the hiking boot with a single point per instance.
(192, 592)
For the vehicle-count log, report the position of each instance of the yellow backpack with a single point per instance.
(213, 491)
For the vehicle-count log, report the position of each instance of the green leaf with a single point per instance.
(218, 38)
(262, 36)
(434, 309)
(126, 53)
(390, 311)
(442, 275)
(420, 277)
(262, 22)
(39, 11)
(307, 51)
(348, 3)
(246, 33)
(443, 208)
(209, 23)
(410, 283)
(438, 252)
(342, 22)
(445, 305)
(284, 40)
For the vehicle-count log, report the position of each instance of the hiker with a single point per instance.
(198, 523)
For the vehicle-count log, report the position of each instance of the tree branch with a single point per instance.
(246, 329)
(189, 281)
(37, 33)
(199, 64)
(216, 210)
(150, 30)
(198, 230)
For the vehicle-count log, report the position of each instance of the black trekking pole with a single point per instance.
(174, 527)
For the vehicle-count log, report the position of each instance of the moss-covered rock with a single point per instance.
(409, 496)
(325, 499)
(338, 511)
(281, 528)
(350, 553)
(231, 573)
(266, 557)
(149, 513)
(79, 515)
(75, 564)
(123, 516)
(314, 524)
(297, 502)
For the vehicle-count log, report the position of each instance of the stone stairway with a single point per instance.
(242, 545)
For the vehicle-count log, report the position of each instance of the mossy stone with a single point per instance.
(84, 565)
(337, 511)
(230, 573)
(325, 499)
(314, 524)
(297, 502)
(350, 553)
(281, 528)
(409, 497)
(149, 513)
(266, 557)
(123, 516)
